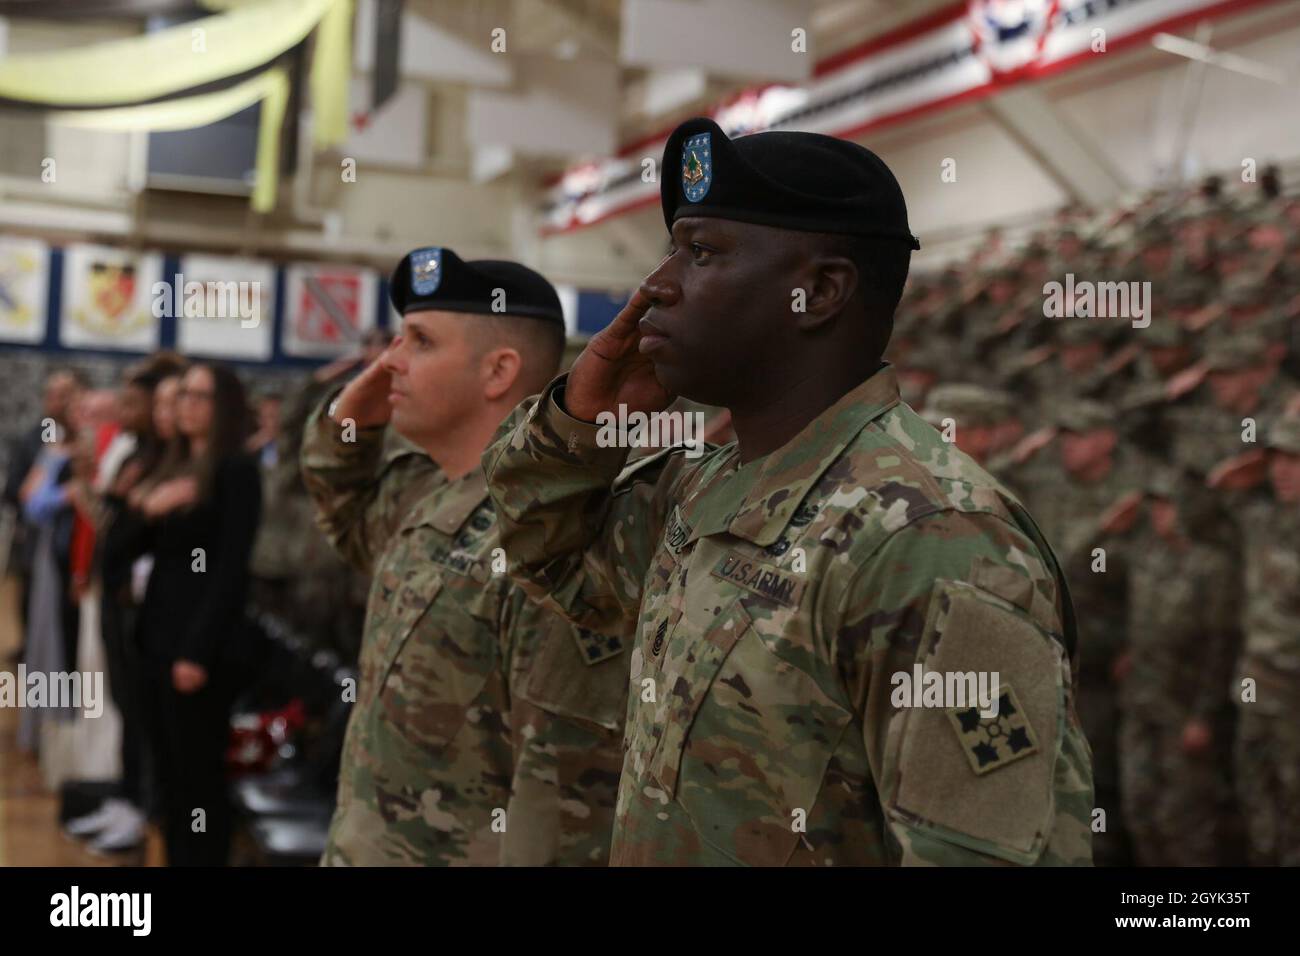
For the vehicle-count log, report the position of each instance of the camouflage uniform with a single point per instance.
(1202, 432)
(475, 711)
(966, 407)
(1053, 383)
(1182, 621)
(1268, 736)
(771, 603)
(968, 404)
(1067, 510)
(296, 573)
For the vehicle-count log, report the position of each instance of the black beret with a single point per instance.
(434, 278)
(801, 181)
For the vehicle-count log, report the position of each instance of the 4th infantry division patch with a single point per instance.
(993, 742)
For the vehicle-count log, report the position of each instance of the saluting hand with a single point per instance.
(365, 400)
(1239, 472)
(611, 370)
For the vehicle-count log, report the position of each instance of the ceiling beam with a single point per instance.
(1063, 152)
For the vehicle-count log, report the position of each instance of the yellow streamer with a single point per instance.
(270, 88)
(124, 72)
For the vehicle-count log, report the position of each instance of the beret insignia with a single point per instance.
(697, 167)
(426, 271)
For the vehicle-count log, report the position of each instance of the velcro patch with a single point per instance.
(597, 647)
(677, 533)
(991, 743)
(776, 584)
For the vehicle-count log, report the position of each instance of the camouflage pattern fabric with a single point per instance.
(1067, 510)
(437, 769)
(772, 603)
(1182, 638)
(1268, 740)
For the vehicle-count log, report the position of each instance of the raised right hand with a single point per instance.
(1239, 472)
(611, 370)
(365, 399)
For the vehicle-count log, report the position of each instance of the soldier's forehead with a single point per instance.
(428, 320)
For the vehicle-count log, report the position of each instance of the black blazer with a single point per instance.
(198, 615)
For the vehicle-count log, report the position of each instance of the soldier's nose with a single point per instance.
(660, 290)
(393, 363)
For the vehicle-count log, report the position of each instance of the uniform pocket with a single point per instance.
(437, 669)
(747, 745)
(577, 674)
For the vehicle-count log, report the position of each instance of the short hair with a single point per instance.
(882, 266)
(539, 342)
(78, 376)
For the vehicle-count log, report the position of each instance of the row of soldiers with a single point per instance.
(1159, 451)
(1156, 449)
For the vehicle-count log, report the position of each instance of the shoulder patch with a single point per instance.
(991, 743)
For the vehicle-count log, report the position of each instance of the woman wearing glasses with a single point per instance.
(202, 522)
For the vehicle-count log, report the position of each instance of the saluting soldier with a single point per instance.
(1069, 473)
(780, 589)
(1266, 687)
(1182, 618)
(485, 730)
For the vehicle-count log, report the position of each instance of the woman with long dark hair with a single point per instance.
(129, 461)
(203, 519)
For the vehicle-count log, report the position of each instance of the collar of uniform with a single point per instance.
(784, 477)
(448, 507)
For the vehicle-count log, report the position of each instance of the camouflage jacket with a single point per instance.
(485, 730)
(1271, 614)
(1067, 510)
(1182, 619)
(771, 606)
(1202, 434)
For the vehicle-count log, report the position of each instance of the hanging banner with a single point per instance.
(961, 52)
(224, 307)
(328, 309)
(24, 287)
(108, 299)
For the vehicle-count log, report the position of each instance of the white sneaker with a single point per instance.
(98, 821)
(126, 833)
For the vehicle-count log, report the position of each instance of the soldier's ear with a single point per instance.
(829, 286)
(499, 370)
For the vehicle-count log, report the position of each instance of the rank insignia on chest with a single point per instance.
(993, 742)
(426, 271)
(697, 167)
